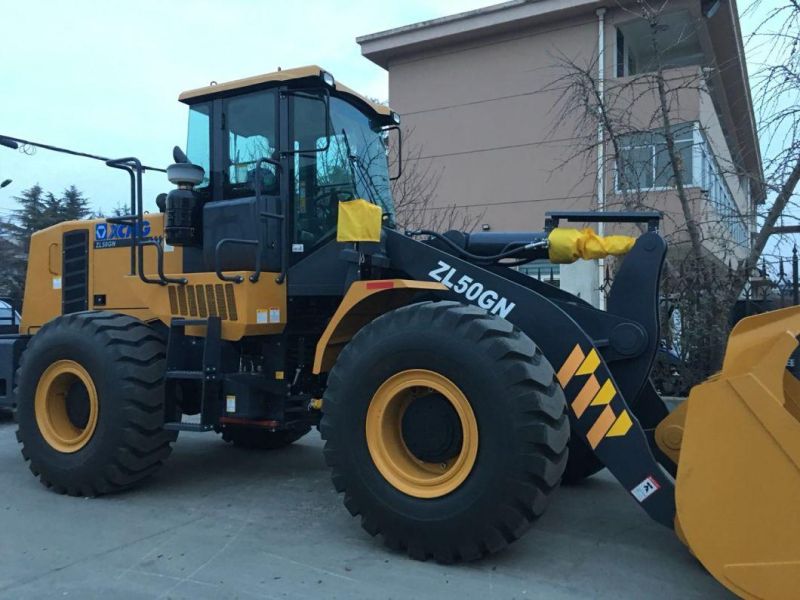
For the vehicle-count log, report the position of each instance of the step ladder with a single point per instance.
(209, 376)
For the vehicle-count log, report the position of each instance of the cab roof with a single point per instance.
(278, 76)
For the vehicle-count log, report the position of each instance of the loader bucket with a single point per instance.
(738, 483)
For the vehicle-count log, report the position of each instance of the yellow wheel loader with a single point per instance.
(273, 292)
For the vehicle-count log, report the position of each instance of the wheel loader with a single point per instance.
(273, 292)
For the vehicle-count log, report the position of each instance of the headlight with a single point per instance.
(328, 79)
(395, 118)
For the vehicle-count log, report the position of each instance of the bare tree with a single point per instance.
(712, 258)
(415, 192)
(12, 257)
(777, 99)
(416, 201)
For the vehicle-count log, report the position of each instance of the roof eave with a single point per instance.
(384, 46)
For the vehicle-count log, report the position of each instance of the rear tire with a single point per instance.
(90, 401)
(521, 430)
(261, 439)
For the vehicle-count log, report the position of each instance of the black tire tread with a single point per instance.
(540, 413)
(143, 445)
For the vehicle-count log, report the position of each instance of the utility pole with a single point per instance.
(795, 286)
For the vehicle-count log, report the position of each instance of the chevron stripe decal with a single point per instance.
(606, 422)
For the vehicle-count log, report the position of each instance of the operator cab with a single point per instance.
(279, 152)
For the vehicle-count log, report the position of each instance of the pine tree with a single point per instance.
(53, 210)
(74, 205)
(121, 210)
(32, 214)
(12, 259)
(37, 210)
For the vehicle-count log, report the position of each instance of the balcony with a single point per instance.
(676, 39)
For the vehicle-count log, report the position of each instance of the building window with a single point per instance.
(718, 194)
(644, 165)
(676, 38)
(644, 161)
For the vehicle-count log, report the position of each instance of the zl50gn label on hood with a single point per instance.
(474, 291)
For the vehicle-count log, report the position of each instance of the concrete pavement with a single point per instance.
(220, 522)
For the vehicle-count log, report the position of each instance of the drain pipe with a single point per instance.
(601, 179)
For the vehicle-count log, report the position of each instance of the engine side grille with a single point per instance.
(209, 300)
(75, 272)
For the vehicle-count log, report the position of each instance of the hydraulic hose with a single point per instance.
(487, 259)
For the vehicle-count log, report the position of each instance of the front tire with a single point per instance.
(445, 429)
(91, 403)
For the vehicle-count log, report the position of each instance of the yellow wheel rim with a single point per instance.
(398, 465)
(50, 406)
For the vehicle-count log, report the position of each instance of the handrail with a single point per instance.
(277, 216)
(162, 279)
(652, 218)
(237, 278)
(134, 168)
(284, 254)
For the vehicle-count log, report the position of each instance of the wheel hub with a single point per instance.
(431, 429)
(66, 406)
(78, 405)
(421, 433)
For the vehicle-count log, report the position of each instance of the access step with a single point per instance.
(187, 427)
(190, 322)
(184, 375)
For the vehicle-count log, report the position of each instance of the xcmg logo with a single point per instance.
(114, 235)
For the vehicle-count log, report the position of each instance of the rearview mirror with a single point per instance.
(395, 151)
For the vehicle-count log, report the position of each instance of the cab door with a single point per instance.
(248, 133)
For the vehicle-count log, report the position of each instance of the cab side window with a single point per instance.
(250, 126)
(198, 145)
(322, 172)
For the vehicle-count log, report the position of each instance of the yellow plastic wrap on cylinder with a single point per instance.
(568, 245)
(359, 221)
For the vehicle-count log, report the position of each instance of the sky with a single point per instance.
(99, 78)
(88, 75)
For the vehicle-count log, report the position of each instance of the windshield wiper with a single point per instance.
(349, 161)
(366, 178)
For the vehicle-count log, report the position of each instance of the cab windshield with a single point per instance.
(359, 148)
(351, 163)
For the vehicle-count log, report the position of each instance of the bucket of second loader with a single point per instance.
(736, 441)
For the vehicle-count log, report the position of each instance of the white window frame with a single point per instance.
(653, 153)
(718, 194)
(706, 176)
